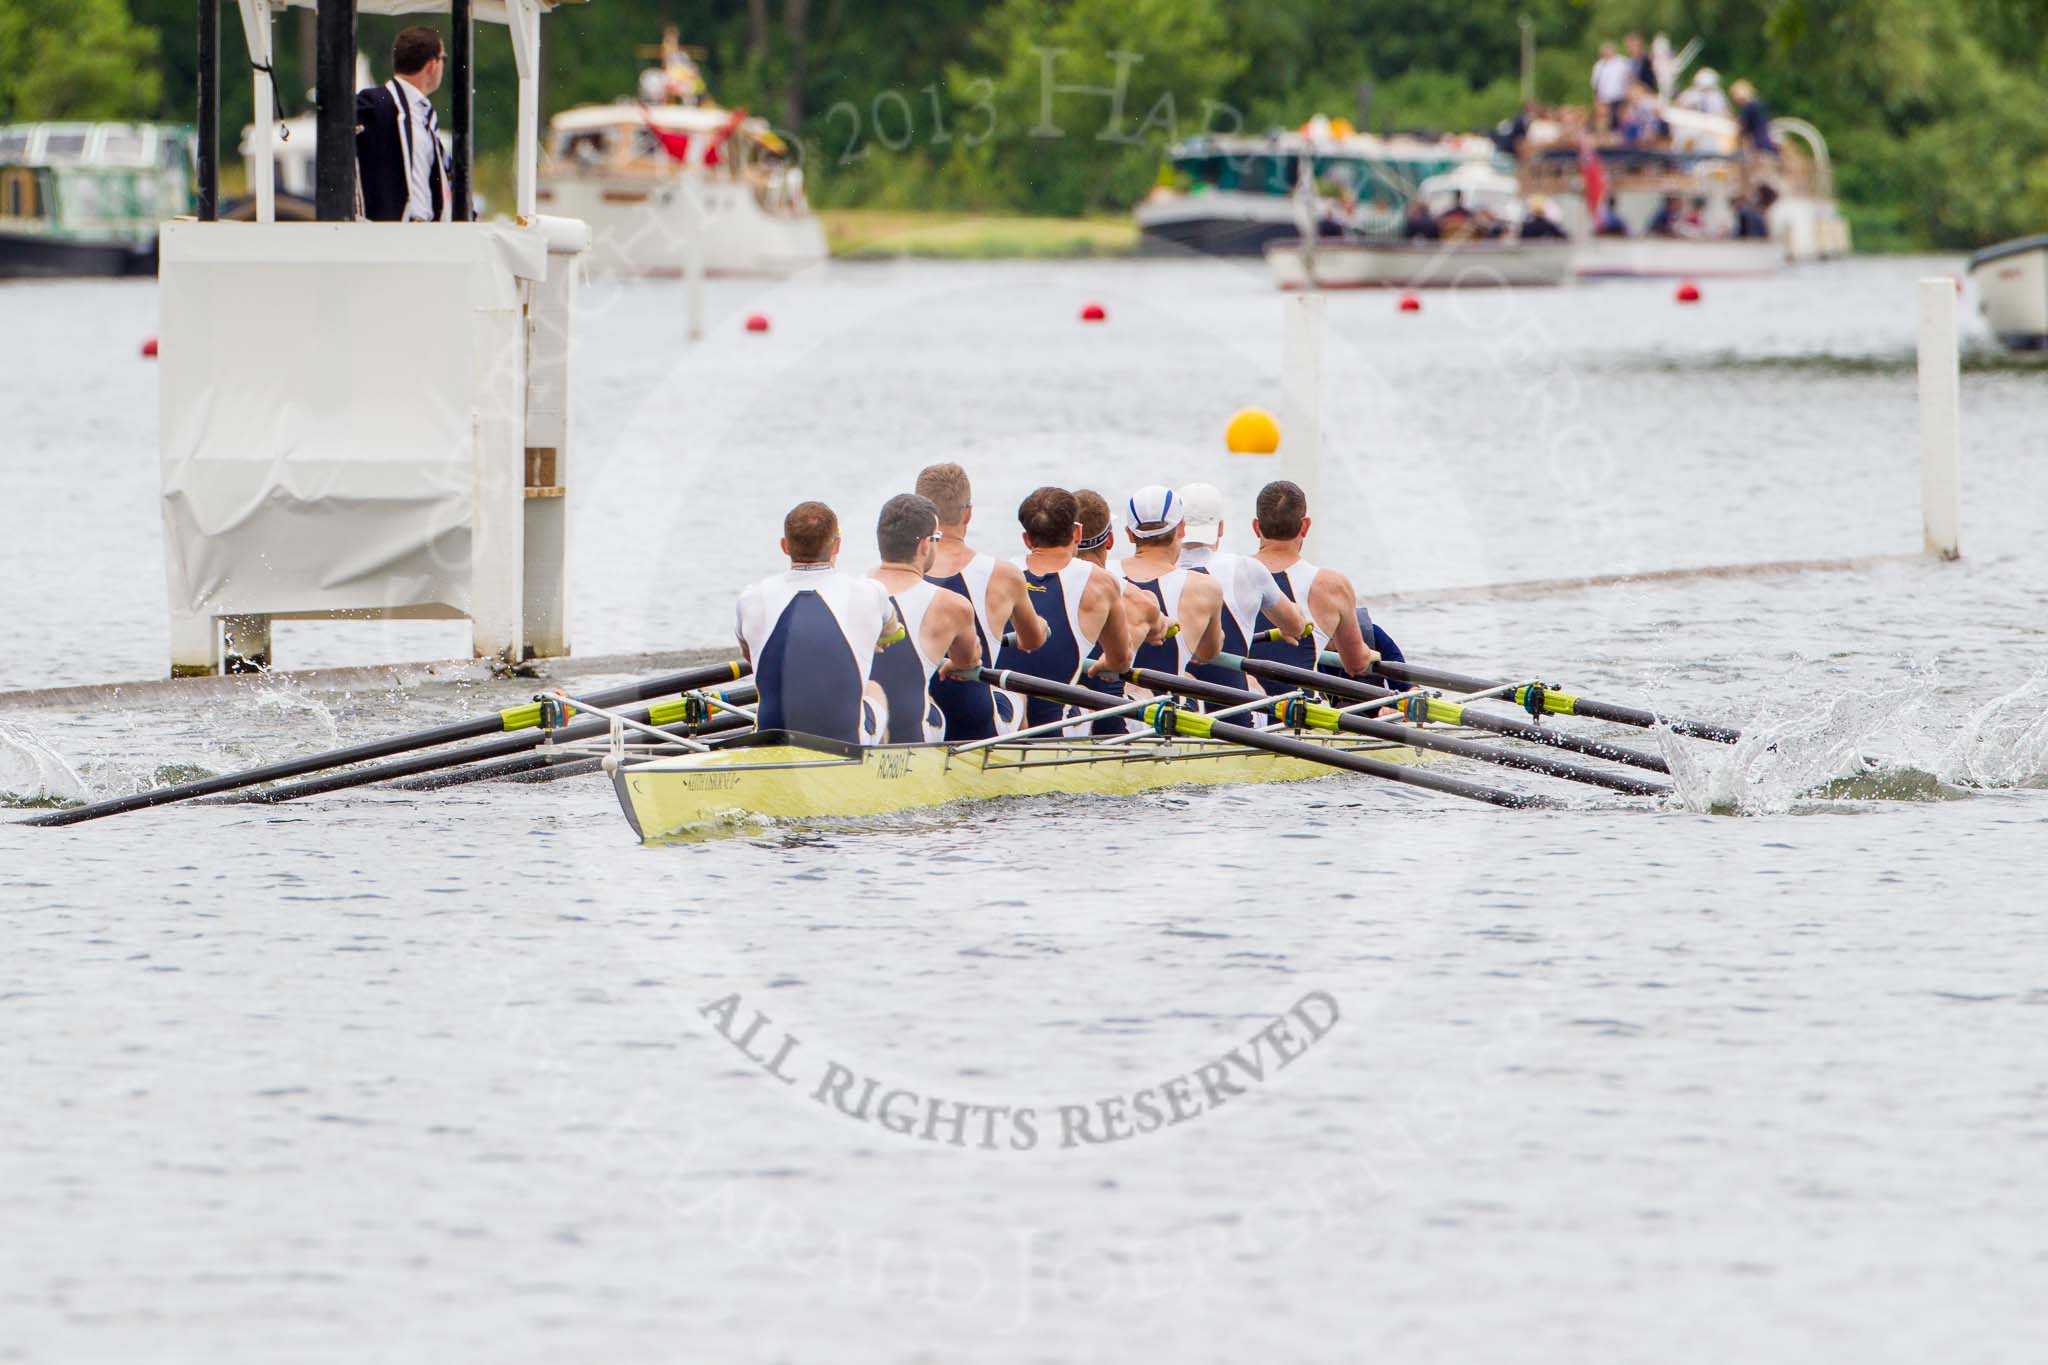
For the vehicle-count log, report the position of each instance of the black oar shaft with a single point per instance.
(1337, 685)
(453, 733)
(1423, 676)
(1412, 736)
(1283, 745)
(476, 753)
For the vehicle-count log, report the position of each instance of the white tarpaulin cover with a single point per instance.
(329, 394)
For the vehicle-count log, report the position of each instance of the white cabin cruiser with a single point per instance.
(1231, 196)
(2012, 290)
(654, 176)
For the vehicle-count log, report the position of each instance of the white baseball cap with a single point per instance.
(1153, 510)
(1202, 505)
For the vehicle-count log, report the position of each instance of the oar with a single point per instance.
(513, 718)
(1328, 719)
(1441, 711)
(1164, 716)
(668, 713)
(1536, 699)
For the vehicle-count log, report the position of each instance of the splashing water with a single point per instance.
(1793, 756)
(2005, 743)
(32, 774)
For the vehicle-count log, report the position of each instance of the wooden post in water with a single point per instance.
(1941, 436)
(1301, 389)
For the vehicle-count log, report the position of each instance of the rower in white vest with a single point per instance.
(939, 639)
(973, 709)
(1252, 600)
(1281, 523)
(811, 633)
(1154, 520)
(1081, 604)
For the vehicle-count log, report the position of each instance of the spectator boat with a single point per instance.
(1232, 196)
(1356, 262)
(2012, 290)
(632, 169)
(1703, 165)
(87, 198)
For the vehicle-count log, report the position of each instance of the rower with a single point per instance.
(939, 639)
(1144, 620)
(1154, 521)
(1080, 603)
(811, 633)
(1141, 609)
(1281, 523)
(1252, 599)
(995, 588)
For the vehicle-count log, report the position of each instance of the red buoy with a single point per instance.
(1688, 292)
(149, 349)
(757, 322)
(1094, 312)
(1409, 304)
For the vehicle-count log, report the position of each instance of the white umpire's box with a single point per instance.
(366, 420)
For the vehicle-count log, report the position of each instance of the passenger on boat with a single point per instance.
(1642, 121)
(973, 709)
(1611, 223)
(1155, 521)
(1455, 224)
(1665, 221)
(1537, 222)
(1611, 75)
(812, 632)
(1749, 219)
(1417, 224)
(1281, 522)
(1704, 94)
(1252, 598)
(1754, 118)
(939, 639)
(1641, 69)
(1081, 603)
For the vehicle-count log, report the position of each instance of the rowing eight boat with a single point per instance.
(780, 775)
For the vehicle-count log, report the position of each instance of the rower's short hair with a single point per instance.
(412, 49)
(810, 528)
(1091, 509)
(947, 487)
(1280, 508)
(907, 521)
(1048, 517)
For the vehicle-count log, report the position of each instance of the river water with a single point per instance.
(1756, 1071)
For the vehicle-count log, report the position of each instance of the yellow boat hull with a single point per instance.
(665, 798)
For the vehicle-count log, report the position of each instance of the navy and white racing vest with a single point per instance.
(974, 710)
(1057, 598)
(811, 633)
(904, 672)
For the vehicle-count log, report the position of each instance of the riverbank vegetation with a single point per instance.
(1063, 107)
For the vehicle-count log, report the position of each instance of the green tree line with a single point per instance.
(1932, 108)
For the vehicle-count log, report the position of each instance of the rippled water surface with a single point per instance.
(1755, 1072)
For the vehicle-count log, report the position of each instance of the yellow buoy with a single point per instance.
(1252, 431)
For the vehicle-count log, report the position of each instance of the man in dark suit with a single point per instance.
(401, 176)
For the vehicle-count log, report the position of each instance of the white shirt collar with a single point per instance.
(420, 103)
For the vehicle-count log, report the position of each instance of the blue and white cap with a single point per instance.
(1153, 511)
